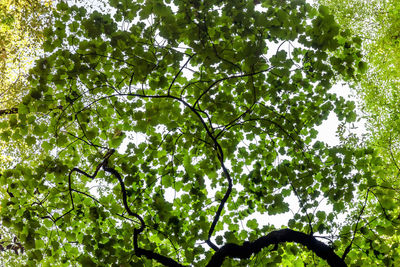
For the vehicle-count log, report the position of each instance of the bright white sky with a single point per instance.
(327, 131)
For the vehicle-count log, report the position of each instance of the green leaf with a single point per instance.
(167, 181)
(86, 261)
(252, 224)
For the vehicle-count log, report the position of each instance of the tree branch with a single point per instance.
(8, 111)
(139, 251)
(347, 250)
(124, 196)
(152, 255)
(280, 236)
(70, 189)
(227, 78)
(179, 72)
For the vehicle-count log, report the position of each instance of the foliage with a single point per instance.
(166, 125)
(378, 24)
(21, 33)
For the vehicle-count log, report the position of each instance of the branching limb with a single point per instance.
(274, 238)
(227, 78)
(152, 255)
(139, 251)
(234, 121)
(124, 196)
(217, 147)
(70, 189)
(179, 72)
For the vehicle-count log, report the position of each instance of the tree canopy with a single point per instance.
(164, 127)
(21, 32)
(21, 35)
(377, 23)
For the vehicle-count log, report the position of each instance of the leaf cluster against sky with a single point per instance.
(234, 137)
(377, 23)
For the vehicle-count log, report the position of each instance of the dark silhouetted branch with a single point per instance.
(280, 236)
(139, 251)
(8, 111)
(152, 255)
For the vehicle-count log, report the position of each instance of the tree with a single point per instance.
(165, 126)
(21, 36)
(21, 33)
(378, 24)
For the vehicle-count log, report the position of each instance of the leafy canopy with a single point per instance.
(21, 33)
(378, 25)
(165, 126)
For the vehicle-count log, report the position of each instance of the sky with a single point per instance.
(327, 131)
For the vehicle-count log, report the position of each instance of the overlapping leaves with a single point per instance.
(199, 94)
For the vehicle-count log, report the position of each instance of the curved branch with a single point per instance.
(139, 251)
(70, 189)
(124, 196)
(152, 255)
(274, 238)
(218, 149)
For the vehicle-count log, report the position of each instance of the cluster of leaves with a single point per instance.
(21, 35)
(21, 32)
(149, 114)
(377, 23)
